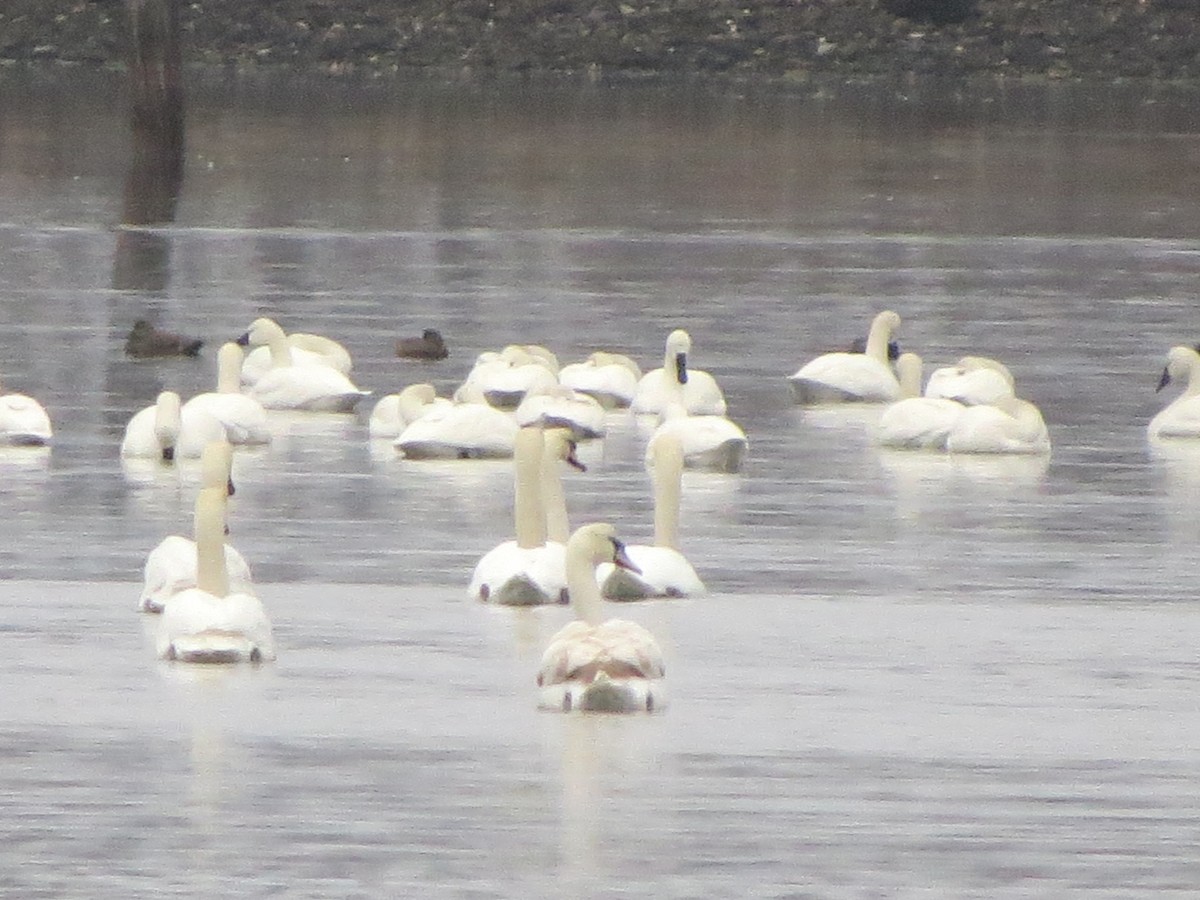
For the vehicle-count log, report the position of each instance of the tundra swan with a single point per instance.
(289, 385)
(23, 421)
(1181, 417)
(596, 665)
(658, 387)
(395, 412)
(557, 405)
(1010, 425)
(307, 349)
(916, 422)
(612, 378)
(852, 377)
(211, 623)
(244, 418)
(164, 432)
(972, 381)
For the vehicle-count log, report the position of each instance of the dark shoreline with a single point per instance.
(789, 41)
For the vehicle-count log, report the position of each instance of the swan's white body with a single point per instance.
(244, 418)
(708, 442)
(915, 422)
(164, 431)
(973, 381)
(171, 566)
(504, 379)
(664, 571)
(531, 570)
(558, 406)
(596, 665)
(852, 377)
(210, 623)
(611, 378)
(460, 431)
(1009, 426)
(285, 385)
(1181, 417)
(658, 388)
(307, 350)
(395, 412)
(23, 421)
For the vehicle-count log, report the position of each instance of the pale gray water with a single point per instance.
(915, 677)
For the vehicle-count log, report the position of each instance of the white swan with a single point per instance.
(558, 406)
(505, 378)
(973, 380)
(1010, 425)
(460, 431)
(162, 431)
(709, 442)
(244, 418)
(530, 570)
(664, 571)
(211, 623)
(612, 378)
(852, 377)
(286, 385)
(171, 566)
(916, 422)
(23, 421)
(590, 664)
(701, 394)
(395, 412)
(307, 349)
(1181, 417)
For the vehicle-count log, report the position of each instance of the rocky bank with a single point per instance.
(773, 39)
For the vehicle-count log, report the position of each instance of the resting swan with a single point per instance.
(558, 406)
(1181, 417)
(395, 412)
(709, 442)
(593, 665)
(307, 349)
(611, 378)
(23, 421)
(212, 623)
(916, 422)
(163, 431)
(1009, 425)
(504, 379)
(657, 388)
(530, 570)
(663, 570)
(852, 377)
(459, 431)
(244, 418)
(288, 385)
(171, 566)
(973, 380)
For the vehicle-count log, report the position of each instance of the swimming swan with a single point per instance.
(709, 442)
(211, 623)
(1009, 425)
(612, 378)
(852, 377)
(1181, 417)
(529, 570)
(701, 394)
(663, 570)
(289, 385)
(590, 664)
(244, 418)
(23, 421)
(973, 380)
(163, 431)
(307, 349)
(395, 412)
(916, 422)
(171, 566)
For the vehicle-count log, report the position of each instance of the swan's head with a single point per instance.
(679, 345)
(887, 321)
(230, 355)
(976, 363)
(598, 543)
(216, 464)
(1180, 363)
(559, 445)
(260, 332)
(167, 423)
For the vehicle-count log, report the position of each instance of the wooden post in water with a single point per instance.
(156, 123)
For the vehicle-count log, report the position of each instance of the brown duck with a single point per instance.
(428, 346)
(146, 341)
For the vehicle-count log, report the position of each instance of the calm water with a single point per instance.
(916, 676)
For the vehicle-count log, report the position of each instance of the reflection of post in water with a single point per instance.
(156, 164)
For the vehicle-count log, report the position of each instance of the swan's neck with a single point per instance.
(412, 404)
(528, 505)
(908, 371)
(877, 340)
(281, 350)
(167, 421)
(229, 369)
(211, 576)
(1192, 377)
(668, 480)
(554, 499)
(583, 589)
